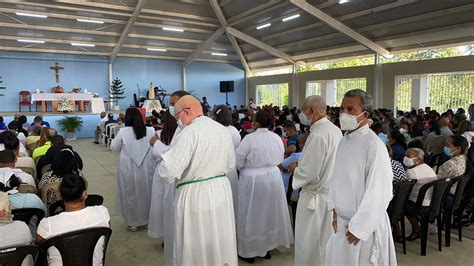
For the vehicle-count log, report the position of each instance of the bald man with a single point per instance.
(444, 127)
(161, 221)
(313, 219)
(204, 215)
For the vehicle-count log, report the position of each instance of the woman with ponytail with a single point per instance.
(263, 220)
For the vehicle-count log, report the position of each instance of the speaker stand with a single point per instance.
(226, 98)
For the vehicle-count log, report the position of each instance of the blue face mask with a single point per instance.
(448, 152)
(171, 109)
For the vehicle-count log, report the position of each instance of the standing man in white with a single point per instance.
(313, 219)
(204, 213)
(360, 191)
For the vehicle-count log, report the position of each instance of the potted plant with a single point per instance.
(70, 124)
(116, 93)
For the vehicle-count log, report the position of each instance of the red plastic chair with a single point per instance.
(25, 100)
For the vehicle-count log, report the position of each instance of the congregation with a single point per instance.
(215, 183)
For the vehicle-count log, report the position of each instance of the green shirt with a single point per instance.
(40, 151)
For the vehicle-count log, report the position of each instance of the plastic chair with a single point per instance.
(25, 99)
(293, 204)
(14, 256)
(440, 189)
(27, 214)
(94, 200)
(396, 208)
(77, 248)
(58, 206)
(456, 208)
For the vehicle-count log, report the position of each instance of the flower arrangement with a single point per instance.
(65, 105)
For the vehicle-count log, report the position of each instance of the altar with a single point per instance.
(97, 104)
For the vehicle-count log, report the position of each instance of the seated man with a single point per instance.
(110, 119)
(38, 121)
(100, 127)
(11, 142)
(14, 233)
(22, 150)
(40, 151)
(7, 168)
(75, 217)
(2, 125)
(35, 134)
(292, 135)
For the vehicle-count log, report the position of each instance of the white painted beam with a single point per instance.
(256, 11)
(203, 46)
(128, 29)
(222, 20)
(340, 26)
(259, 44)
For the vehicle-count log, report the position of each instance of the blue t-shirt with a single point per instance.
(294, 157)
(3, 126)
(293, 140)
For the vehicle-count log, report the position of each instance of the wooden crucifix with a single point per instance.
(56, 68)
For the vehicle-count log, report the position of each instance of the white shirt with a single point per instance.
(22, 153)
(101, 124)
(234, 134)
(15, 234)
(319, 156)
(424, 174)
(259, 149)
(7, 172)
(65, 222)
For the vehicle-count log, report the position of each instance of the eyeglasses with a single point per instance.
(176, 115)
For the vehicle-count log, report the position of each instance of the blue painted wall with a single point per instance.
(29, 71)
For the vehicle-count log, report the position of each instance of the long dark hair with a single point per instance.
(223, 115)
(169, 127)
(64, 163)
(134, 119)
(264, 118)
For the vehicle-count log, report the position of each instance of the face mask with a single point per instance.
(403, 131)
(180, 124)
(448, 152)
(171, 109)
(349, 122)
(408, 162)
(305, 121)
(284, 135)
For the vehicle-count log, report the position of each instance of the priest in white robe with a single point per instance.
(135, 173)
(198, 161)
(263, 222)
(161, 221)
(360, 191)
(313, 219)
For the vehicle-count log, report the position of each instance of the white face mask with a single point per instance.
(171, 109)
(408, 162)
(349, 122)
(180, 124)
(305, 121)
(403, 131)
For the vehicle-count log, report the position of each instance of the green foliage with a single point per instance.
(276, 94)
(70, 124)
(345, 85)
(423, 55)
(116, 90)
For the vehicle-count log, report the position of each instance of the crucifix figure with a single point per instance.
(56, 68)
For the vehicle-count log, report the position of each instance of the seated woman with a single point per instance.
(423, 173)
(455, 149)
(398, 171)
(64, 163)
(14, 233)
(398, 145)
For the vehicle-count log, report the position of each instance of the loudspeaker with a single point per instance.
(226, 86)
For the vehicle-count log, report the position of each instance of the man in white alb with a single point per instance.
(313, 219)
(360, 191)
(204, 215)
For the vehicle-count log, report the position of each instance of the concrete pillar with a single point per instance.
(184, 78)
(293, 93)
(328, 91)
(378, 91)
(419, 91)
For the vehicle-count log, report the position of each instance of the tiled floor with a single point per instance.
(126, 248)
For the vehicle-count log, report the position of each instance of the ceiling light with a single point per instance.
(291, 17)
(31, 15)
(173, 29)
(219, 54)
(343, 1)
(90, 21)
(82, 44)
(264, 26)
(156, 49)
(30, 41)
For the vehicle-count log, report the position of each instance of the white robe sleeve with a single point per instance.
(177, 158)
(159, 148)
(117, 143)
(311, 161)
(377, 195)
(241, 153)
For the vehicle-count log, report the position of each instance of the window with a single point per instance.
(345, 85)
(403, 88)
(464, 50)
(313, 88)
(450, 91)
(276, 94)
(274, 71)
